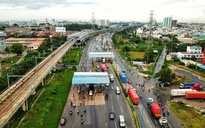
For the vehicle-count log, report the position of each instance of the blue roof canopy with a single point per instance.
(201, 66)
(90, 78)
(101, 54)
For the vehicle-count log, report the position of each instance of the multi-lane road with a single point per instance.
(98, 115)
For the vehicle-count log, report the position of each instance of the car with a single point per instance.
(90, 93)
(117, 90)
(112, 115)
(166, 84)
(122, 121)
(129, 82)
(62, 121)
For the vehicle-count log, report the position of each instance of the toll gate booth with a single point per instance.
(89, 86)
(101, 56)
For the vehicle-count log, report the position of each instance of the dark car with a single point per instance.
(63, 121)
(112, 115)
(166, 84)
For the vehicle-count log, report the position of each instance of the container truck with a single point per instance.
(123, 77)
(133, 95)
(197, 87)
(186, 85)
(111, 77)
(156, 110)
(195, 95)
(180, 92)
(103, 67)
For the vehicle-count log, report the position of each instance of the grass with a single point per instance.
(187, 115)
(136, 55)
(74, 57)
(47, 111)
(8, 61)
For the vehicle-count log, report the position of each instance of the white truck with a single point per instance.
(180, 92)
(111, 77)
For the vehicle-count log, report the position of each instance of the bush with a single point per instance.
(181, 63)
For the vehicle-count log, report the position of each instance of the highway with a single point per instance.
(98, 115)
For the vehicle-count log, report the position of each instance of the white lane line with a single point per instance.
(106, 124)
(118, 97)
(73, 126)
(112, 87)
(121, 109)
(105, 109)
(112, 108)
(115, 125)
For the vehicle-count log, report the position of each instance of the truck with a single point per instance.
(103, 67)
(149, 101)
(180, 92)
(111, 77)
(133, 95)
(156, 110)
(123, 77)
(185, 85)
(195, 95)
(197, 87)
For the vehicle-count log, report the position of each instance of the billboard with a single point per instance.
(60, 29)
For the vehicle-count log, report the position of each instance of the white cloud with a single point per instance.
(137, 10)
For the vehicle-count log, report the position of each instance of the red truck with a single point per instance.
(156, 110)
(103, 67)
(133, 95)
(197, 87)
(195, 95)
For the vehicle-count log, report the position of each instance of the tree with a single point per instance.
(17, 48)
(164, 75)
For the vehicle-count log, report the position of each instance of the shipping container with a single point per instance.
(156, 110)
(123, 77)
(133, 95)
(195, 95)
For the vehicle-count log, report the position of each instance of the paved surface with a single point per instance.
(97, 107)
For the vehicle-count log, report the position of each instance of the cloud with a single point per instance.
(38, 4)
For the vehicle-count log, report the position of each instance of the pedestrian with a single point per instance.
(167, 113)
(81, 114)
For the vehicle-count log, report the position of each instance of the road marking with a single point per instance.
(106, 124)
(121, 109)
(73, 126)
(115, 125)
(118, 97)
(112, 87)
(112, 108)
(105, 109)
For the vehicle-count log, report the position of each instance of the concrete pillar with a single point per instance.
(33, 93)
(25, 106)
(54, 68)
(44, 82)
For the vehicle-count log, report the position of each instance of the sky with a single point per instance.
(113, 10)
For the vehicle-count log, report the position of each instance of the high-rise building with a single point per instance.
(167, 22)
(2, 41)
(174, 23)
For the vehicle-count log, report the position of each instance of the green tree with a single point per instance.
(17, 48)
(165, 75)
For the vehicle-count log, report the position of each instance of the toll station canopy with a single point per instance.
(101, 54)
(90, 78)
